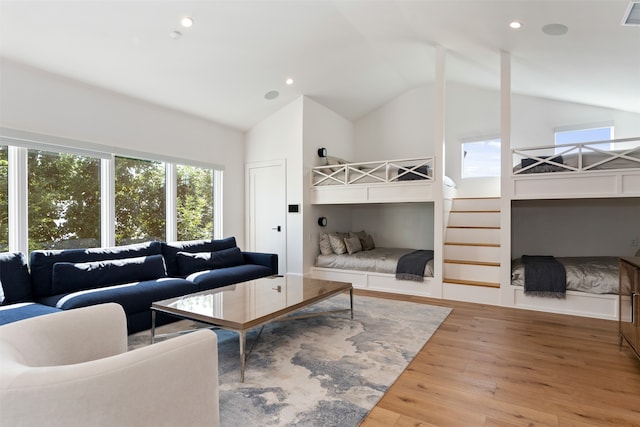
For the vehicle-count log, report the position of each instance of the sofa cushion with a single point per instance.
(71, 277)
(133, 297)
(211, 279)
(170, 250)
(42, 262)
(21, 311)
(14, 278)
(191, 262)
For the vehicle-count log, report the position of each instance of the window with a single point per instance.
(64, 200)
(4, 199)
(139, 200)
(584, 134)
(194, 203)
(481, 158)
(74, 194)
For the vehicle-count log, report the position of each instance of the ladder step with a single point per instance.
(471, 227)
(481, 263)
(474, 211)
(471, 283)
(490, 245)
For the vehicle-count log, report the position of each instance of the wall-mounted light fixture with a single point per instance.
(322, 152)
(322, 221)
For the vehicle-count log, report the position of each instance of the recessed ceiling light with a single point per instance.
(175, 34)
(272, 94)
(515, 24)
(289, 81)
(555, 29)
(186, 21)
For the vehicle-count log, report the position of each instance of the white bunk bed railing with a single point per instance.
(612, 154)
(385, 171)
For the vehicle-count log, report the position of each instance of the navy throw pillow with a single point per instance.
(72, 277)
(14, 278)
(191, 262)
(227, 258)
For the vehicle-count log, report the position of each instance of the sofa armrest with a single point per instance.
(261, 258)
(68, 337)
(174, 382)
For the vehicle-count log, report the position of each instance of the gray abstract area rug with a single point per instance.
(324, 371)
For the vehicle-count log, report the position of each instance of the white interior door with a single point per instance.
(267, 209)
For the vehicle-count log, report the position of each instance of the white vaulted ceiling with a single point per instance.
(351, 56)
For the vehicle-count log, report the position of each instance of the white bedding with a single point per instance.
(595, 275)
(380, 260)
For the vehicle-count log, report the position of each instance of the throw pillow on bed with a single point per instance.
(325, 244)
(353, 244)
(337, 243)
(365, 239)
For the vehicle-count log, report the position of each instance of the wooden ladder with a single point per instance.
(472, 243)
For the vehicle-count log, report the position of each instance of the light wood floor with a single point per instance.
(495, 366)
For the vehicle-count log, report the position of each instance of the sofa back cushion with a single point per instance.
(15, 282)
(42, 262)
(72, 277)
(191, 262)
(170, 250)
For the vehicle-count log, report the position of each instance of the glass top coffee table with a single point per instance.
(251, 304)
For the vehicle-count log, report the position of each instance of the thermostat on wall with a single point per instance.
(294, 208)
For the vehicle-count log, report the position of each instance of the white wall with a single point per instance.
(279, 137)
(37, 101)
(322, 128)
(403, 225)
(576, 227)
(534, 120)
(402, 128)
(472, 112)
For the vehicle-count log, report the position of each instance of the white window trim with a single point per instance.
(19, 142)
(18, 199)
(171, 202)
(107, 203)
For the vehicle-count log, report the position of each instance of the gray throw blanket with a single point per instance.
(411, 266)
(544, 276)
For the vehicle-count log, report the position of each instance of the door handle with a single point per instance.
(277, 228)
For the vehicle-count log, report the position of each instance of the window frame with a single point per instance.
(19, 142)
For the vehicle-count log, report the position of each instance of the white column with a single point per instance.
(439, 217)
(506, 295)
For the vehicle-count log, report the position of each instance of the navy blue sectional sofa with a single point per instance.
(133, 276)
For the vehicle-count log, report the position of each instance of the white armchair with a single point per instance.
(72, 369)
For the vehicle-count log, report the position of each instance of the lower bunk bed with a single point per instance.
(590, 286)
(396, 270)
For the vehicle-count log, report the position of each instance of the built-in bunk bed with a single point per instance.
(368, 265)
(587, 285)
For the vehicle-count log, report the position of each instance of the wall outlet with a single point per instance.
(634, 243)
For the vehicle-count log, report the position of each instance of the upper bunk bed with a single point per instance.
(579, 170)
(385, 181)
